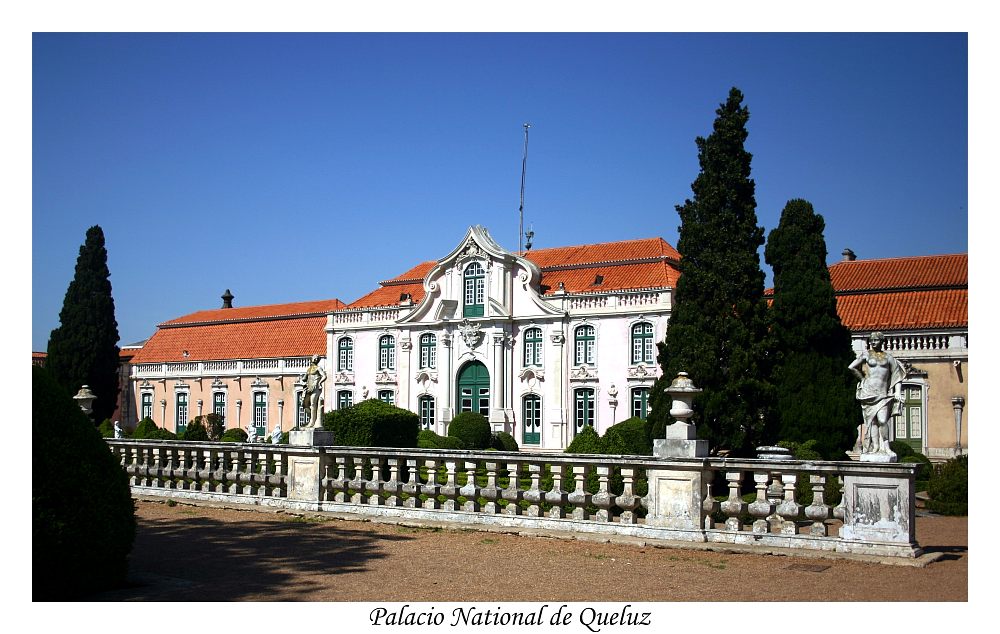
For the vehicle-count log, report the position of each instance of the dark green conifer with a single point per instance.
(717, 330)
(83, 350)
(814, 390)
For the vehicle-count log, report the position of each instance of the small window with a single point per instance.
(345, 398)
(584, 345)
(387, 352)
(475, 290)
(345, 354)
(219, 405)
(181, 419)
(387, 396)
(428, 351)
(584, 401)
(146, 407)
(640, 402)
(533, 347)
(426, 412)
(260, 412)
(642, 343)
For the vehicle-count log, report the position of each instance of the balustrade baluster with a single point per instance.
(205, 473)
(775, 493)
(789, 509)
(135, 479)
(392, 486)
(490, 492)
(171, 470)
(603, 499)
(374, 484)
(431, 488)
(326, 483)
(357, 483)
(534, 493)
(412, 486)
(734, 506)
(818, 511)
(189, 467)
(556, 497)
(219, 460)
(233, 477)
(450, 488)
(513, 491)
(628, 501)
(761, 508)
(579, 498)
(340, 483)
(471, 490)
(246, 477)
(709, 504)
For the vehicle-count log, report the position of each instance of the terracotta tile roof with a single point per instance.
(907, 310)
(249, 332)
(898, 273)
(626, 265)
(258, 312)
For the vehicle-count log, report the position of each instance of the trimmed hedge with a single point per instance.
(902, 449)
(145, 427)
(162, 434)
(427, 439)
(586, 441)
(472, 429)
(234, 434)
(373, 423)
(83, 519)
(502, 441)
(949, 488)
(628, 438)
(194, 432)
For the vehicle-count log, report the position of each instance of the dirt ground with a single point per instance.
(198, 553)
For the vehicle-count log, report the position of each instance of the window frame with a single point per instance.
(386, 352)
(181, 400)
(258, 412)
(427, 411)
(428, 351)
(532, 346)
(643, 341)
(585, 397)
(474, 289)
(585, 345)
(643, 401)
(391, 400)
(345, 354)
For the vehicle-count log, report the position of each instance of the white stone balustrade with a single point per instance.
(585, 493)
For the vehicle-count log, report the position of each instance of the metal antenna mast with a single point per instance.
(524, 167)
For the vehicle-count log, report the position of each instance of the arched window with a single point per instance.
(219, 405)
(584, 415)
(475, 290)
(387, 352)
(640, 402)
(642, 343)
(584, 336)
(146, 406)
(345, 354)
(260, 412)
(428, 351)
(181, 418)
(531, 414)
(533, 346)
(426, 406)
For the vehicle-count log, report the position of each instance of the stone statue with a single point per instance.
(118, 431)
(251, 432)
(881, 376)
(312, 396)
(276, 434)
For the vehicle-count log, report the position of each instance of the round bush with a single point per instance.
(472, 429)
(195, 431)
(586, 441)
(162, 434)
(373, 423)
(427, 439)
(106, 428)
(627, 438)
(143, 430)
(83, 519)
(901, 449)
(234, 434)
(502, 441)
(925, 470)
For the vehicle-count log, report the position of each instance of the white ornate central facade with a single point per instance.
(542, 345)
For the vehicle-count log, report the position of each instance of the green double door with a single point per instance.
(474, 389)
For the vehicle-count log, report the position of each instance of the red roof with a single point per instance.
(298, 309)
(898, 273)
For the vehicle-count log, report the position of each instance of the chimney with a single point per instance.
(848, 255)
(227, 299)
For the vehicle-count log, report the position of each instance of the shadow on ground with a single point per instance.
(202, 559)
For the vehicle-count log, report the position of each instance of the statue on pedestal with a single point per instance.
(312, 395)
(276, 434)
(881, 376)
(118, 430)
(251, 432)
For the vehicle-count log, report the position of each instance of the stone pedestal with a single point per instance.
(304, 478)
(311, 438)
(878, 509)
(675, 498)
(879, 457)
(681, 442)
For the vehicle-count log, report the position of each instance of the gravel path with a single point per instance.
(198, 553)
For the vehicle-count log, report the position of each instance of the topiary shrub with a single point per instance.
(902, 449)
(627, 438)
(949, 488)
(106, 428)
(83, 518)
(213, 424)
(162, 434)
(234, 434)
(472, 429)
(427, 439)
(195, 431)
(586, 441)
(925, 470)
(373, 423)
(143, 430)
(502, 441)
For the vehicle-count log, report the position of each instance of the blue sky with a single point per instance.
(293, 167)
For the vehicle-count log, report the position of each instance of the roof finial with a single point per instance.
(227, 299)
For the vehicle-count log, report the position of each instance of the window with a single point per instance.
(642, 343)
(531, 414)
(584, 345)
(345, 354)
(909, 425)
(533, 346)
(387, 396)
(146, 407)
(181, 418)
(219, 405)
(260, 411)
(387, 352)
(345, 398)
(428, 351)
(640, 402)
(584, 400)
(475, 290)
(426, 406)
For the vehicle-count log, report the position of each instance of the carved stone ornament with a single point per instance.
(385, 377)
(558, 338)
(639, 372)
(258, 382)
(472, 250)
(218, 384)
(423, 376)
(146, 384)
(446, 340)
(406, 345)
(181, 385)
(471, 333)
(344, 378)
(531, 373)
(583, 373)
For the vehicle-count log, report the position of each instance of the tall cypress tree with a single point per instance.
(717, 329)
(814, 390)
(83, 350)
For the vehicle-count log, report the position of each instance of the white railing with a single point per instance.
(587, 302)
(639, 299)
(349, 318)
(686, 499)
(612, 301)
(221, 366)
(212, 369)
